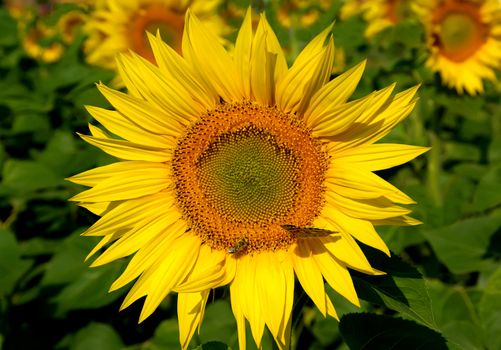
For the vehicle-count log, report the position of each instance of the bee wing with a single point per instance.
(308, 232)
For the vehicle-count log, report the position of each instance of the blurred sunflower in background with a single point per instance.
(300, 13)
(45, 38)
(380, 14)
(464, 41)
(237, 169)
(118, 26)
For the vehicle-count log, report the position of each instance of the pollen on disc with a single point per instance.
(244, 170)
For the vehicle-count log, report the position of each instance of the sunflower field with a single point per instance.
(273, 174)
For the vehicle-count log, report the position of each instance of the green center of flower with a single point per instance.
(248, 177)
(457, 31)
(461, 31)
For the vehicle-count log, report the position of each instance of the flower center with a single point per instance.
(153, 18)
(397, 10)
(461, 31)
(248, 176)
(243, 171)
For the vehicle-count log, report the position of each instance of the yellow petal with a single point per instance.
(202, 50)
(333, 94)
(129, 184)
(358, 183)
(190, 311)
(308, 73)
(243, 50)
(151, 118)
(175, 67)
(128, 150)
(309, 275)
(149, 255)
(336, 274)
(368, 209)
(154, 87)
(121, 126)
(362, 230)
(94, 176)
(137, 238)
(208, 272)
(130, 213)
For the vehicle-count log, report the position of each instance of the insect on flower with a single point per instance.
(239, 245)
(307, 232)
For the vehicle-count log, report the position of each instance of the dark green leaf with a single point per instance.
(24, 176)
(219, 323)
(462, 246)
(12, 267)
(455, 315)
(370, 331)
(490, 311)
(213, 345)
(166, 335)
(487, 193)
(402, 289)
(97, 336)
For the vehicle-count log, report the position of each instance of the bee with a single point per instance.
(307, 232)
(239, 245)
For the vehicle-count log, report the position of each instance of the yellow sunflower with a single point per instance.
(464, 40)
(380, 14)
(300, 13)
(239, 170)
(118, 26)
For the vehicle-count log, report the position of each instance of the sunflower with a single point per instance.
(380, 14)
(118, 26)
(464, 40)
(300, 13)
(239, 170)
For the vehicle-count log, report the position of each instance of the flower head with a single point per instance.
(118, 26)
(464, 40)
(380, 14)
(239, 170)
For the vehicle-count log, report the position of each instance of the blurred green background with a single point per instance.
(448, 268)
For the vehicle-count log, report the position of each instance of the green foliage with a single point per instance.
(383, 332)
(442, 283)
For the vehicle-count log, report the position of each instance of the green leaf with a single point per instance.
(455, 315)
(24, 176)
(67, 265)
(213, 345)
(90, 290)
(166, 335)
(487, 193)
(370, 331)
(97, 336)
(12, 267)
(461, 151)
(463, 245)
(8, 29)
(219, 323)
(403, 289)
(490, 311)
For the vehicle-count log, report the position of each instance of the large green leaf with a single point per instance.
(12, 266)
(97, 336)
(402, 289)
(462, 246)
(490, 311)
(23, 176)
(487, 192)
(370, 331)
(455, 315)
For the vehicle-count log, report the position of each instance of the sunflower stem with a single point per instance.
(434, 170)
